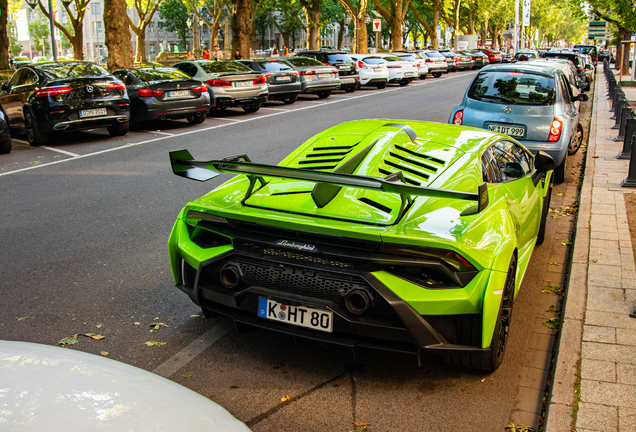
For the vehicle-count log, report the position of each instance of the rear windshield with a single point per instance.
(513, 88)
(586, 49)
(72, 70)
(339, 58)
(566, 56)
(408, 58)
(373, 60)
(433, 54)
(303, 61)
(274, 66)
(224, 66)
(392, 58)
(158, 74)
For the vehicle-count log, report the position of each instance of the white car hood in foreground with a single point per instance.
(46, 388)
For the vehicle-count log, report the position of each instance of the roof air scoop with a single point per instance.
(323, 193)
(409, 131)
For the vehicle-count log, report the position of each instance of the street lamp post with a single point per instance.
(347, 21)
(33, 4)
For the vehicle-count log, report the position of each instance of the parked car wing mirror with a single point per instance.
(6, 87)
(583, 97)
(543, 162)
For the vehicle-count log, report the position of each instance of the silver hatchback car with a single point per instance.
(230, 84)
(533, 104)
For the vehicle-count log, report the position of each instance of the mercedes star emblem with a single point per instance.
(89, 89)
(507, 109)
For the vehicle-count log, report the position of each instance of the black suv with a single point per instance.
(349, 78)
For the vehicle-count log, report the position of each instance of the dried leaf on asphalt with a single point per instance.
(71, 340)
(22, 318)
(566, 243)
(361, 424)
(104, 353)
(284, 399)
(136, 323)
(594, 260)
(94, 336)
(154, 343)
(559, 194)
(551, 289)
(158, 325)
(552, 323)
(98, 325)
(195, 316)
(553, 263)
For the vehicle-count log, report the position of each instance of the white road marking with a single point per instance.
(248, 119)
(20, 141)
(60, 151)
(276, 109)
(161, 133)
(199, 345)
(228, 119)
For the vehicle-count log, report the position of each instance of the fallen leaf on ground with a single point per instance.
(154, 343)
(361, 424)
(136, 323)
(552, 323)
(553, 263)
(566, 243)
(594, 260)
(284, 399)
(98, 325)
(195, 316)
(22, 318)
(94, 336)
(158, 325)
(68, 340)
(104, 353)
(551, 289)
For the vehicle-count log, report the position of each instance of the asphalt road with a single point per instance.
(84, 224)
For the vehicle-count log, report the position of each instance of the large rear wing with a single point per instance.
(184, 165)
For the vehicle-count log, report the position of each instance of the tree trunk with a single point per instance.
(484, 32)
(471, 22)
(241, 28)
(117, 35)
(341, 29)
(312, 14)
(434, 41)
(396, 35)
(363, 46)
(4, 36)
(141, 46)
(78, 47)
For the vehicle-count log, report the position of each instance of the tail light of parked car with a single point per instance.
(115, 86)
(219, 83)
(458, 117)
(308, 72)
(146, 92)
(295, 73)
(394, 66)
(361, 65)
(200, 89)
(555, 130)
(52, 91)
(260, 80)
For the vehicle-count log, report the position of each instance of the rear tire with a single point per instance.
(32, 130)
(544, 217)
(290, 100)
(437, 74)
(491, 359)
(403, 82)
(133, 125)
(576, 140)
(193, 119)
(380, 86)
(118, 129)
(323, 94)
(5, 147)
(559, 172)
(252, 108)
(350, 89)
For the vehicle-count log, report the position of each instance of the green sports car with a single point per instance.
(400, 235)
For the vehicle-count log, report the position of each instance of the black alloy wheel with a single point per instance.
(437, 74)
(32, 130)
(194, 119)
(118, 129)
(323, 94)
(380, 86)
(576, 140)
(252, 108)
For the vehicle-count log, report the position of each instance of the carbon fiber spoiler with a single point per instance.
(184, 165)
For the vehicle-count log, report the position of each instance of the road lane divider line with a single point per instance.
(60, 151)
(206, 129)
(227, 119)
(201, 343)
(161, 133)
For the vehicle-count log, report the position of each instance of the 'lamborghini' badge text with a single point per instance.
(298, 246)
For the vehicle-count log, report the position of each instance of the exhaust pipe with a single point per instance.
(163, 117)
(231, 276)
(358, 301)
(60, 127)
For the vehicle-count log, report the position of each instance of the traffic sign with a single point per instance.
(377, 25)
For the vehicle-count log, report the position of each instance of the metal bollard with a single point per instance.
(611, 85)
(626, 112)
(630, 181)
(630, 130)
(618, 93)
(617, 112)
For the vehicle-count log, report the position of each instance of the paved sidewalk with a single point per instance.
(596, 359)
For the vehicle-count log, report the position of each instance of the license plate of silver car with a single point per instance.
(243, 84)
(178, 93)
(283, 78)
(303, 316)
(92, 112)
(513, 131)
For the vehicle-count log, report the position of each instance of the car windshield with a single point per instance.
(407, 57)
(433, 54)
(270, 66)
(585, 49)
(223, 66)
(72, 70)
(159, 74)
(513, 88)
(339, 57)
(373, 60)
(303, 61)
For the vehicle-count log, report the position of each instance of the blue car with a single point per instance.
(533, 104)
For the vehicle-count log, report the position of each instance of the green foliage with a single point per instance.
(40, 34)
(14, 47)
(175, 15)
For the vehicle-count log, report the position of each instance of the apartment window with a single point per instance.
(151, 27)
(97, 27)
(96, 9)
(153, 49)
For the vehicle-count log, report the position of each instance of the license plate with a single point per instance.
(409, 73)
(303, 316)
(324, 75)
(514, 131)
(347, 80)
(377, 69)
(344, 67)
(92, 112)
(243, 84)
(283, 78)
(178, 93)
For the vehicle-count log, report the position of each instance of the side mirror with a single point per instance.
(5, 87)
(543, 162)
(583, 97)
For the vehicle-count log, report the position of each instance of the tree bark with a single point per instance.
(312, 16)
(358, 13)
(241, 27)
(4, 36)
(117, 35)
(141, 46)
(395, 18)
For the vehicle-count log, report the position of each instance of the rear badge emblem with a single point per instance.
(298, 246)
(89, 89)
(507, 109)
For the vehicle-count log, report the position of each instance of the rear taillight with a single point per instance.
(361, 65)
(200, 89)
(115, 86)
(309, 72)
(555, 130)
(452, 258)
(146, 92)
(429, 61)
(395, 67)
(326, 63)
(260, 80)
(267, 75)
(458, 117)
(295, 73)
(52, 91)
(218, 83)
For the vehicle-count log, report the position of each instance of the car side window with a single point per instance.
(489, 168)
(512, 160)
(566, 90)
(15, 78)
(27, 78)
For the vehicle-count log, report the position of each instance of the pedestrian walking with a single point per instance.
(218, 54)
(206, 54)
